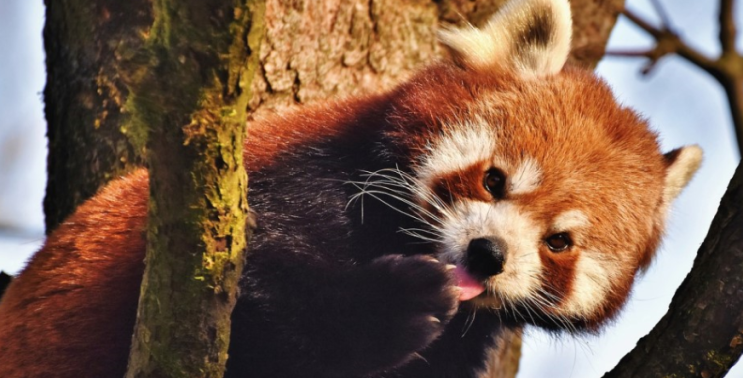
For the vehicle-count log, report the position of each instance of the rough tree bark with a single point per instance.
(85, 43)
(311, 51)
(190, 95)
(354, 47)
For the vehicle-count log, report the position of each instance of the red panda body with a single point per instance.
(538, 195)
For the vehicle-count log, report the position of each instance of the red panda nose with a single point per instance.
(486, 256)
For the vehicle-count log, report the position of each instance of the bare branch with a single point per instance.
(661, 11)
(668, 42)
(727, 69)
(650, 54)
(727, 27)
(642, 23)
(653, 55)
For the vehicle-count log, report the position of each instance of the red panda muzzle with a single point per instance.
(486, 256)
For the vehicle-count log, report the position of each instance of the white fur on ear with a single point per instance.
(530, 37)
(683, 163)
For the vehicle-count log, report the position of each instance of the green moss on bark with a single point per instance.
(84, 96)
(190, 98)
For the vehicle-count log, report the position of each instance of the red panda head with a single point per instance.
(529, 176)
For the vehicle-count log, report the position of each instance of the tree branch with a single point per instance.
(665, 19)
(701, 335)
(653, 55)
(727, 27)
(668, 42)
(727, 69)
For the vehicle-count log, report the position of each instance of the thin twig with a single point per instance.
(661, 11)
(644, 25)
(727, 69)
(668, 42)
(632, 53)
(727, 27)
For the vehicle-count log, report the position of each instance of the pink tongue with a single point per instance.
(470, 287)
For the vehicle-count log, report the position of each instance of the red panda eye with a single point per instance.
(495, 182)
(559, 242)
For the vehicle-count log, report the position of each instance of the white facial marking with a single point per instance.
(465, 144)
(526, 178)
(468, 220)
(570, 220)
(474, 142)
(591, 286)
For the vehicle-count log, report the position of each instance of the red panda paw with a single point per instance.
(416, 297)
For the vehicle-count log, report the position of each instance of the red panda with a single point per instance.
(399, 234)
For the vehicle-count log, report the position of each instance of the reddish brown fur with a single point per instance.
(605, 150)
(467, 183)
(597, 157)
(75, 303)
(609, 163)
(50, 306)
(277, 134)
(559, 272)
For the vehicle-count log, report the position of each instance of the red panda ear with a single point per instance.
(682, 163)
(529, 37)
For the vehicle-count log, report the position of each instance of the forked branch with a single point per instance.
(727, 68)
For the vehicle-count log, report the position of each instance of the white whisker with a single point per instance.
(392, 184)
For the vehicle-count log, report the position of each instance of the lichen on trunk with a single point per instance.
(189, 97)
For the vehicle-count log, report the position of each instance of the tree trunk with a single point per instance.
(311, 51)
(190, 96)
(85, 43)
(355, 47)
